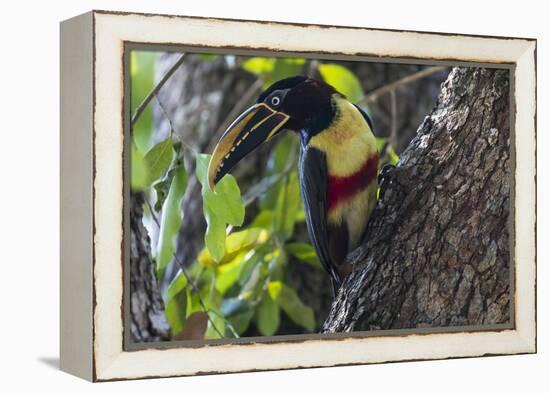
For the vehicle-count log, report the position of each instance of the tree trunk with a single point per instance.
(146, 306)
(437, 248)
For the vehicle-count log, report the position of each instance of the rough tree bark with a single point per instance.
(437, 249)
(146, 306)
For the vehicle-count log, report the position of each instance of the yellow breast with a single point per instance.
(348, 142)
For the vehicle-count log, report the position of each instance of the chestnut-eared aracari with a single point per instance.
(338, 160)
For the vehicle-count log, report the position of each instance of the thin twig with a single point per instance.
(227, 323)
(141, 107)
(172, 129)
(195, 288)
(181, 265)
(155, 219)
(375, 94)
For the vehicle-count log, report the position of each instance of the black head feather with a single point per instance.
(307, 101)
(287, 83)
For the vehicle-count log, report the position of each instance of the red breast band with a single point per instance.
(340, 189)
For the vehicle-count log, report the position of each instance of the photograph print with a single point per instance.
(283, 197)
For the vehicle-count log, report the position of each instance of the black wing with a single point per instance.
(366, 117)
(314, 187)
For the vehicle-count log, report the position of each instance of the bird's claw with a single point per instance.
(385, 172)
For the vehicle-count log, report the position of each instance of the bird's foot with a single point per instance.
(385, 173)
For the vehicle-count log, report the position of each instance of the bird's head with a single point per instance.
(298, 103)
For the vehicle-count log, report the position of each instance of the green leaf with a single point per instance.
(226, 201)
(228, 274)
(176, 304)
(178, 284)
(284, 68)
(271, 70)
(288, 300)
(139, 173)
(263, 220)
(212, 333)
(241, 321)
(222, 207)
(380, 142)
(142, 81)
(235, 243)
(171, 218)
(287, 207)
(343, 80)
(268, 316)
(162, 187)
(259, 65)
(214, 238)
(158, 159)
(393, 157)
(304, 252)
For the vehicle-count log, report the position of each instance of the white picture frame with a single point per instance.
(92, 146)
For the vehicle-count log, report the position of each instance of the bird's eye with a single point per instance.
(275, 101)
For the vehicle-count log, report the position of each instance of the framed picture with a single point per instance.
(245, 195)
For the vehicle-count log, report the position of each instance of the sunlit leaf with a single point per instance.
(284, 68)
(171, 218)
(222, 207)
(259, 65)
(178, 284)
(158, 159)
(393, 157)
(343, 80)
(268, 316)
(304, 252)
(272, 70)
(287, 298)
(139, 174)
(380, 142)
(235, 243)
(228, 273)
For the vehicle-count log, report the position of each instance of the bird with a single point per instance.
(338, 161)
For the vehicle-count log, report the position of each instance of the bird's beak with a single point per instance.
(257, 124)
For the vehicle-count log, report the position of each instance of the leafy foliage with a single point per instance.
(171, 217)
(142, 81)
(342, 80)
(221, 207)
(239, 281)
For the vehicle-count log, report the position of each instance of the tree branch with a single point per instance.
(437, 249)
(141, 107)
(375, 94)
